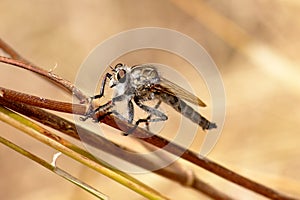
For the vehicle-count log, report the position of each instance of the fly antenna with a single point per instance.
(112, 69)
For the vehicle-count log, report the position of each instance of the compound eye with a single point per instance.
(121, 76)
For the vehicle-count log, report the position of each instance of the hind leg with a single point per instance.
(153, 111)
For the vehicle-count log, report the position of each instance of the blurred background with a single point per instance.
(255, 45)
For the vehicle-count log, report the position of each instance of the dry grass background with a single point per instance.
(260, 138)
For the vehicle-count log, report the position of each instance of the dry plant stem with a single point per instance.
(189, 179)
(42, 102)
(218, 24)
(11, 52)
(49, 75)
(52, 140)
(185, 154)
(99, 142)
(209, 165)
(54, 169)
(19, 61)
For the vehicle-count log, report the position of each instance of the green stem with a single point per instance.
(54, 169)
(50, 139)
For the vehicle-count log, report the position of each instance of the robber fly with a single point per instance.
(142, 83)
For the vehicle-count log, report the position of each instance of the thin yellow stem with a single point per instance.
(52, 140)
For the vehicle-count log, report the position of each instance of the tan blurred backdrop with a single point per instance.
(255, 45)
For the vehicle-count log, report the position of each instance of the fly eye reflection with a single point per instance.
(121, 76)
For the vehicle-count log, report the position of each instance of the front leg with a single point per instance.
(107, 76)
(90, 110)
(130, 114)
(103, 108)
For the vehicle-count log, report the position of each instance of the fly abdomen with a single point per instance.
(187, 111)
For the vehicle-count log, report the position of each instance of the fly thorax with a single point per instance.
(143, 75)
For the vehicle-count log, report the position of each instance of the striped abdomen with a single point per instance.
(186, 110)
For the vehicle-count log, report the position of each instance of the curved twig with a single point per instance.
(67, 85)
(11, 52)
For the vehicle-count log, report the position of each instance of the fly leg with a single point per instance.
(149, 116)
(130, 115)
(104, 108)
(130, 112)
(153, 111)
(90, 110)
(98, 96)
(109, 113)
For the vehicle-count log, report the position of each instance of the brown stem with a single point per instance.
(49, 75)
(19, 61)
(161, 143)
(99, 142)
(42, 102)
(11, 52)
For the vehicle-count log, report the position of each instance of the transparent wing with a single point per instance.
(167, 86)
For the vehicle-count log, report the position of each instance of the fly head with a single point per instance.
(120, 75)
